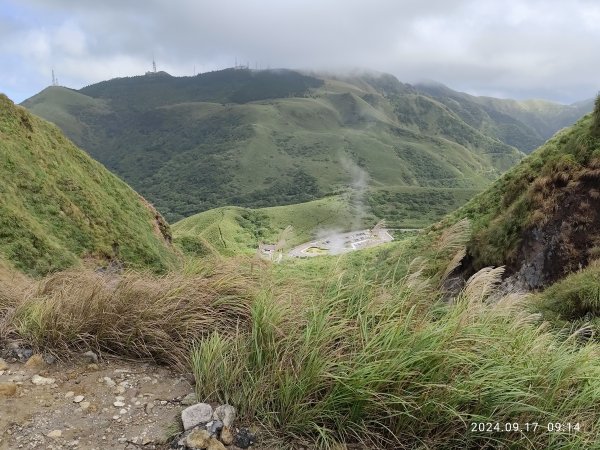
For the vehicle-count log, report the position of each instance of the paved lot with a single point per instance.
(338, 243)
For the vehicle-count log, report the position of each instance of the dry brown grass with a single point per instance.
(13, 288)
(132, 315)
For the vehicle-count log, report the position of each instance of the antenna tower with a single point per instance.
(153, 64)
(54, 79)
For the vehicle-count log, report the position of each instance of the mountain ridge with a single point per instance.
(266, 138)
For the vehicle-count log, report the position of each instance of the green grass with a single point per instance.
(232, 230)
(60, 207)
(575, 298)
(533, 194)
(523, 124)
(189, 144)
(384, 361)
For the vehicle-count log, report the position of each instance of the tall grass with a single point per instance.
(13, 287)
(393, 367)
(135, 314)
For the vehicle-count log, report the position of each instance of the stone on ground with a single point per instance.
(42, 381)
(226, 436)
(3, 364)
(226, 414)
(215, 444)
(189, 399)
(195, 415)
(91, 357)
(36, 362)
(198, 439)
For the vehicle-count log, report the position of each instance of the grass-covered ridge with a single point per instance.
(58, 206)
(547, 205)
(267, 138)
(523, 124)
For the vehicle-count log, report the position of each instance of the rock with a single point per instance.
(8, 389)
(226, 414)
(198, 439)
(36, 362)
(3, 364)
(55, 434)
(189, 399)
(49, 359)
(93, 367)
(119, 404)
(91, 357)
(42, 381)
(78, 399)
(244, 439)
(226, 436)
(69, 394)
(195, 415)
(215, 444)
(109, 382)
(84, 405)
(24, 354)
(214, 427)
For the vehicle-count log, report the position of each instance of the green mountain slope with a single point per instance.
(58, 206)
(233, 230)
(255, 139)
(523, 124)
(542, 219)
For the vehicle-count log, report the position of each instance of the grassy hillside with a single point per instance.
(233, 230)
(542, 219)
(255, 139)
(58, 206)
(523, 124)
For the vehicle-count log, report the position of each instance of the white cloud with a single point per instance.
(518, 47)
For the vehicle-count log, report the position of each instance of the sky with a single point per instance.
(503, 48)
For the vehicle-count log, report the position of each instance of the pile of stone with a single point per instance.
(208, 429)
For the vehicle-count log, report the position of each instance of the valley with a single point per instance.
(476, 300)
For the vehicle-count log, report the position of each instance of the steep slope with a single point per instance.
(248, 138)
(58, 206)
(523, 124)
(542, 219)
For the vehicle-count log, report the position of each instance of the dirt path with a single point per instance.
(125, 405)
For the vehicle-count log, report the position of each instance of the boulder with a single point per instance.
(195, 415)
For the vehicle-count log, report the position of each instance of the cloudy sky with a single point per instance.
(506, 48)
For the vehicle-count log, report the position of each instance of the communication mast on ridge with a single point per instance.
(153, 64)
(54, 79)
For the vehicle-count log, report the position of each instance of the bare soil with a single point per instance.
(150, 395)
